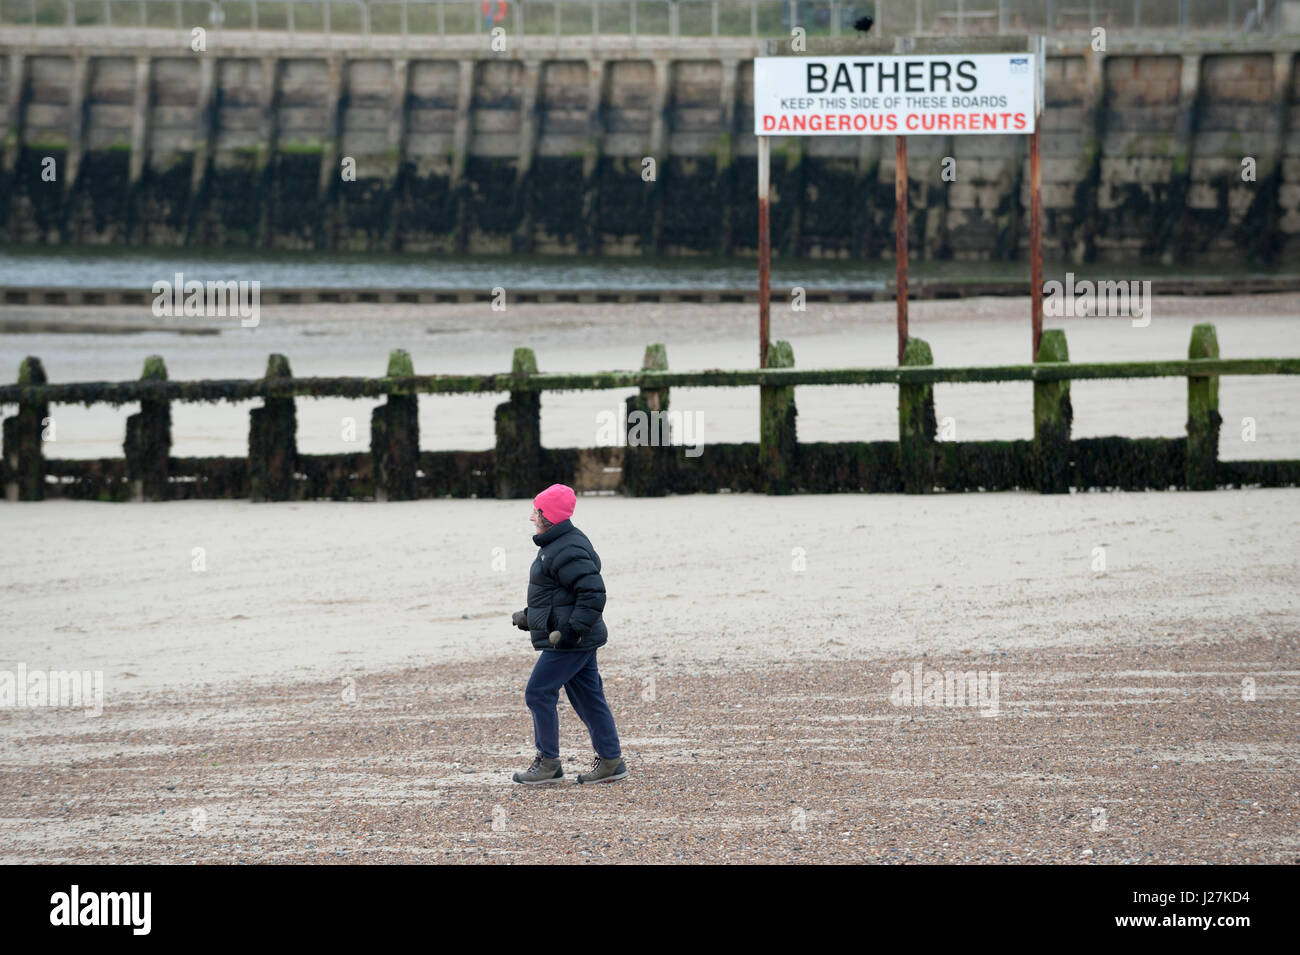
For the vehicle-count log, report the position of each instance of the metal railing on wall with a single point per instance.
(673, 18)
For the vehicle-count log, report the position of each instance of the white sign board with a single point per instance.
(949, 95)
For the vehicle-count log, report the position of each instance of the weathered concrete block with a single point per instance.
(270, 125)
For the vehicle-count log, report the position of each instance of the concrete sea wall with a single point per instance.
(542, 149)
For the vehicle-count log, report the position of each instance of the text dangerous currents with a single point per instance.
(951, 95)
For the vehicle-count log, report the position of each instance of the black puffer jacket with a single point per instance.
(565, 591)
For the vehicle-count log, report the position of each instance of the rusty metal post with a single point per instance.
(1035, 240)
(764, 247)
(900, 239)
(1036, 203)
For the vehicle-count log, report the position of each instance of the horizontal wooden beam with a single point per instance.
(123, 392)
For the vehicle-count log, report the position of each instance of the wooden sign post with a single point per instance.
(764, 246)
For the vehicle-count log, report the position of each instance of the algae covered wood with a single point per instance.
(1053, 416)
(519, 434)
(23, 433)
(395, 438)
(148, 443)
(273, 441)
(778, 442)
(648, 458)
(1203, 420)
(519, 466)
(916, 424)
(244, 389)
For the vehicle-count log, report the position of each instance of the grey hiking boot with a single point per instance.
(542, 772)
(605, 771)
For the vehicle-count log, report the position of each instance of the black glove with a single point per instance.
(520, 619)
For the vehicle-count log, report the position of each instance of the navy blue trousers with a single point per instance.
(577, 673)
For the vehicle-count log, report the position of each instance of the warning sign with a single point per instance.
(950, 95)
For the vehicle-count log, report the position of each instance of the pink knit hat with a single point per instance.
(556, 503)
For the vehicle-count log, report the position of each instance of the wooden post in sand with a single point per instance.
(22, 439)
(148, 444)
(647, 464)
(1053, 415)
(778, 440)
(1202, 469)
(519, 435)
(916, 427)
(395, 438)
(273, 441)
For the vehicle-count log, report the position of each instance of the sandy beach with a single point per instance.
(333, 676)
(341, 683)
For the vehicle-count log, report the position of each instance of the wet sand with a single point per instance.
(1099, 754)
(754, 699)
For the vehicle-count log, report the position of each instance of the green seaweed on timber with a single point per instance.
(916, 424)
(1053, 416)
(396, 468)
(124, 392)
(1203, 419)
(1129, 464)
(273, 441)
(778, 419)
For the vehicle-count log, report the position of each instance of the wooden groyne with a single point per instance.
(396, 469)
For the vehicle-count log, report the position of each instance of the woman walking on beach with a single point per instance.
(566, 598)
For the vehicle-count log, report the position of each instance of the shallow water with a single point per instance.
(101, 267)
